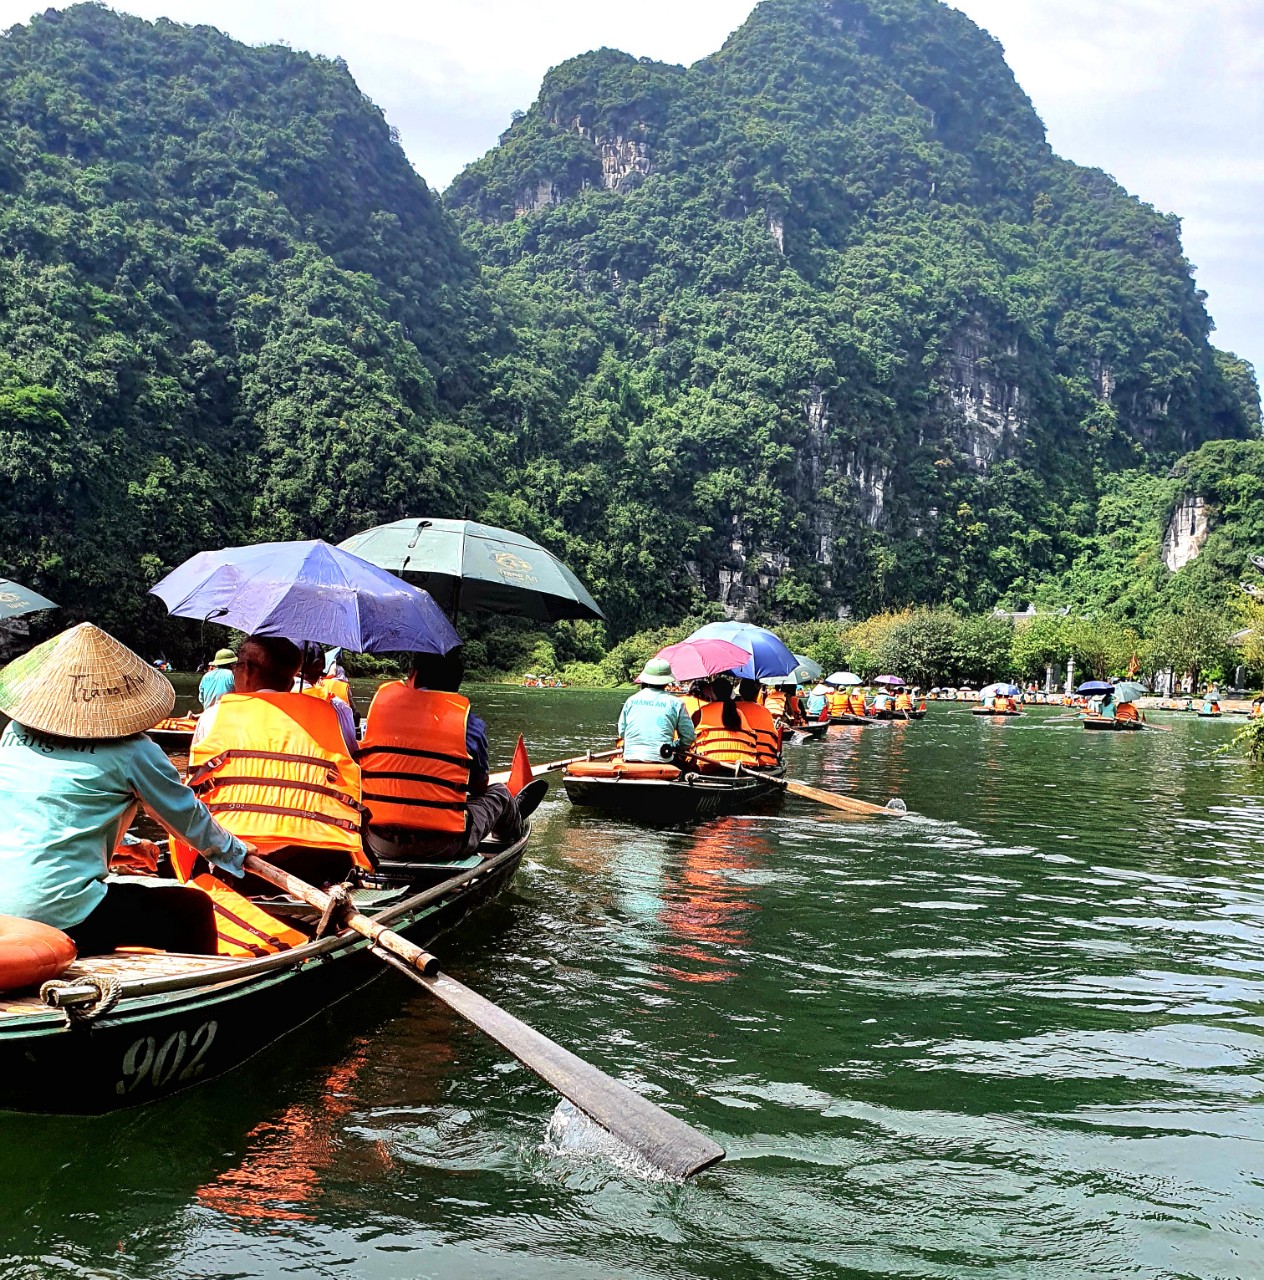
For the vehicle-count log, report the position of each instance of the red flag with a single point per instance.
(520, 770)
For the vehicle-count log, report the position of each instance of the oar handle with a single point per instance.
(539, 770)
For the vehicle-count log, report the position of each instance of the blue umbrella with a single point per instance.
(769, 657)
(15, 599)
(1095, 686)
(307, 591)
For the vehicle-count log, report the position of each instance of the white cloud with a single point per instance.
(1166, 95)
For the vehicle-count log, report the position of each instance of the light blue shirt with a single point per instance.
(650, 720)
(816, 704)
(63, 807)
(214, 685)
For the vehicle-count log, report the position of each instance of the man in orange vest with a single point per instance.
(427, 796)
(273, 767)
(313, 681)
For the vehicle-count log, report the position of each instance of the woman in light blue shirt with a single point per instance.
(75, 767)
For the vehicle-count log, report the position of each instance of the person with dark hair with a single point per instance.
(736, 732)
(274, 767)
(427, 794)
(698, 695)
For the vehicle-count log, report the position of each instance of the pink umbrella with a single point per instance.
(697, 659)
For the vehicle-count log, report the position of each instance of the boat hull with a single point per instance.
(153, 1045)
(994, 715)
(695, 797)
(1102, 723)
(808, 732)
(850, 719)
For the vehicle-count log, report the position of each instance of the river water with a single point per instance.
(1017, 1034)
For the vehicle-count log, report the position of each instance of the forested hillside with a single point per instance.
(822, 322)
(819, 324)
(229, 309)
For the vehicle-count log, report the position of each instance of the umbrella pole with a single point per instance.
(456, 601)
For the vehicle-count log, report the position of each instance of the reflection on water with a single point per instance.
(1017, 1034)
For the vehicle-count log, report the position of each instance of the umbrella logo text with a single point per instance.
(513, 567)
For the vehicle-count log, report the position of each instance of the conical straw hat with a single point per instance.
(84, 684)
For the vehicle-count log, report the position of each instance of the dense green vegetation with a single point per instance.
(817, 327)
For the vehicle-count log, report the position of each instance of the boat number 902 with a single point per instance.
(179, 1058)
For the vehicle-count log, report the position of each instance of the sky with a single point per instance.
(1166, 95)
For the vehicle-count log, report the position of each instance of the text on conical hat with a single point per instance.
(85, 686)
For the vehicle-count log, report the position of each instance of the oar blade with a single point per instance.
(846, 803)
(663, 1140)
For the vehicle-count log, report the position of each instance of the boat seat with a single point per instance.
(618, 768)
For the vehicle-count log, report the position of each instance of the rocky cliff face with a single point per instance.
(1186, 532)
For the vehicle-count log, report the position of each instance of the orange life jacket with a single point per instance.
(692, 704)
(243, 929)
(775, 703)
(415, 761)
(754, 745)
(1127, 711)
(856, 704)
(274, 770)
(328, 689)
(838, 703)
(903, 702)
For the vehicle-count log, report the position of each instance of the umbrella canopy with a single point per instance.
(1095, 686)
(894, 681)
(15, 599)
(767, 656)
(307, 591)
(807, 671)
(1129, 691)
(1000, 691)
(847, 678)
(697, 659)
(466, 565)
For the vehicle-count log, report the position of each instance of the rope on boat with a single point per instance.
(80, 1009)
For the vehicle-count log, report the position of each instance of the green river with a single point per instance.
(1018, 1034)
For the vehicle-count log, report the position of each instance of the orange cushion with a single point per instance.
(31, 952)
(621, 769)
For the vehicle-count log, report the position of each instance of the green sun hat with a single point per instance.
(224, 658)
(657, 672)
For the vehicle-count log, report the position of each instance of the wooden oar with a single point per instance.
(666, 1142)
(539, 770)
(796, 788)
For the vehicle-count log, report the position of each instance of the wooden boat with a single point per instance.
(175, 734)
(1210, 715)
(690, 798)
(801, 733)
(182, 1019)
(1107, 723)
(851, 719)
(984, 711)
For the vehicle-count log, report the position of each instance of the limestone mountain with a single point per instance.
(821, 322)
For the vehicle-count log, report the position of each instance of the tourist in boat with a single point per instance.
(218, 679)
(311, 680)
(882, 703)
(782, 703)
(654, 725)
(839, 702)
(275, 768)
(75, 766)
(903, 703)
(856, 703)
(697, 696)
(737, 730)
(1257, 707)
(427, 794)
(1211, 702)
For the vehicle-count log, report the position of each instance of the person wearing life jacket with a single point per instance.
(736, 731)
(75, 767)
(793, 713)
(903, 702)
(274, 768)
(774, 701)
(654, 725)
(312, 681)
(427, 794)
(698, 695)
(1257, 708)
(856, 703)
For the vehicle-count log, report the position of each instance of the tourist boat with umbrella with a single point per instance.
(1126, 691)
(990, 693)
(662, 792)
(113, 1031)
(847, 680)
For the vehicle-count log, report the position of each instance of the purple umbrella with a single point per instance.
(894, 681)
(307, 591)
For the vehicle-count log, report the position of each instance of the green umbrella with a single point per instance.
(465, 565)
(16, 599)
(1129, 691)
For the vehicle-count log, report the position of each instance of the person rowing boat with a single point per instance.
(654, 725)
(75, 766)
